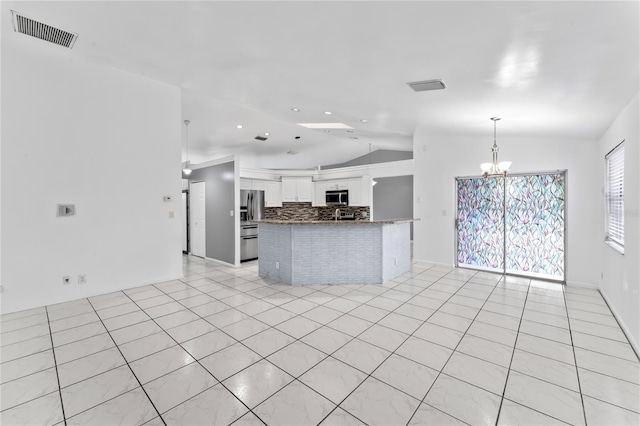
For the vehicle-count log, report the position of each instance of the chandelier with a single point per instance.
(495, 168)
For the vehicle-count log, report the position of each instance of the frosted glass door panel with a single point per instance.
(480, 223)
(535, 223)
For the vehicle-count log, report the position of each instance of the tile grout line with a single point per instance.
(513, 352)
(573, 349)
(621, 329)
(130, 369)
(55, 363)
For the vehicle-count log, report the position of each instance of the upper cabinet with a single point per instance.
(272, 194)
(297, 189)
(258, 185)
(320, 193)
(360, 190)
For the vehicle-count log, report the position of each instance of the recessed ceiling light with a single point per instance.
(295, 109)
(328, 112)
(327, 130)
(292, 152)
(239, 126)
(266, 133)
(364, 120)
(325, 125)
(349, 131)
(353, 137)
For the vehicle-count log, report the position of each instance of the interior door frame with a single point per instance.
(564, 172)
(187, 221)
(190, 228)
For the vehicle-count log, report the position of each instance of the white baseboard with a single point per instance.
(582, 285)
(231, 265)
(626, 331)
(433, 263)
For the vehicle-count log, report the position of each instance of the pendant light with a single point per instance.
(494, 168)
(187, 170)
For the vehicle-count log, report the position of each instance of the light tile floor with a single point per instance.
(435, 346)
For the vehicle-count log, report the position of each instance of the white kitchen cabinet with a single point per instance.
(258, 185)
(297, 189)
(336, 185)
(360, 191)
(272, 194)
(320, 189)
(245, 183)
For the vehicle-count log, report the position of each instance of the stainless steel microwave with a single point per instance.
(337, 198)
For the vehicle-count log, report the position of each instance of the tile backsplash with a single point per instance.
(305, 211)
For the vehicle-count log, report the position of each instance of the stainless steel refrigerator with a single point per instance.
(251, 208)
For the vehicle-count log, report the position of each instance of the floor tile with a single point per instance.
(154, 301)
(23, 334)
(245, 328)
(294, 405)
(89, 366)
(75, 321)
(215, 406)
(547, 369)
(176, 319)
(549, 332)
(426, 353)
(545, 318)
(248, 419)
(78, 333)
(483, 374)
(326, 339)
(361, 355)
(21, 367)
(166, 309)
(197, 299)
(600, 413)
(298, 326)
(45, 410)
(333, 379)
(135, 332)
(96, 390)
(603, 319)
(611, 390)
(406, 375)
(322, 314)
(255, 307)
(350, 325)
(131, 408)
(440, 335)
(117, 310)
(208, 344)
(427, 415)
(611, 366)
(377, 403)
(459, 310)
(267, 342)
(450, 321)
(296, 358)
(499, 308)
(125, 320)
(499, 320)
(512, 413)
(339, 417)
(400, 323)
(21, 314)
(487, 350)
(383, 337)
(274, 316)
(478, 407)
(604, 346)
(258, 382)
(160, 363)
(547, 398)
(546, 347)
(613, 333)
(146, 346)
(178, 386)
(82, 348)
(27, 388)
(190, 330)
(227, 362)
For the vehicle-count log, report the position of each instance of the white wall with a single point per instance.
(440, 158)
(621, 273)
(105, 140)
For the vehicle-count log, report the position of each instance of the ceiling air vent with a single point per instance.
(423, 86)
(261, 138)
(24, 25)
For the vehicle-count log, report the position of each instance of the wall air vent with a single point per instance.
(261, 138)
(423, 86)
(28, 26)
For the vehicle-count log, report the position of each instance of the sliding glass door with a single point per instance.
(513, 224)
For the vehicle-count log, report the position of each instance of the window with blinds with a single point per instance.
(614, 197)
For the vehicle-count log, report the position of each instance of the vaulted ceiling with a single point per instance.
(547, 68)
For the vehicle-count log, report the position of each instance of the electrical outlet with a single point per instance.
(66, 280)
(231, 213)
(82, 279)
(171, 215)
(277, 265)
(397, 261)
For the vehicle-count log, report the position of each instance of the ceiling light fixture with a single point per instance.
(187, 170)
(328, 112)
(239, 126)
(364, 120)
(266, 133)
(295, 109)
(495, 168)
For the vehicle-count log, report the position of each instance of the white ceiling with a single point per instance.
(547, 68)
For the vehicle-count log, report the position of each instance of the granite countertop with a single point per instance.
(335, 222)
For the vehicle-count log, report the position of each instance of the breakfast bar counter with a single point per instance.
(334, 252)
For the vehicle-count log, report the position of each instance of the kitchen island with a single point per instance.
(334, 252)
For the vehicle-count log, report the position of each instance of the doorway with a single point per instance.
(513, 225)
(197, 220)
